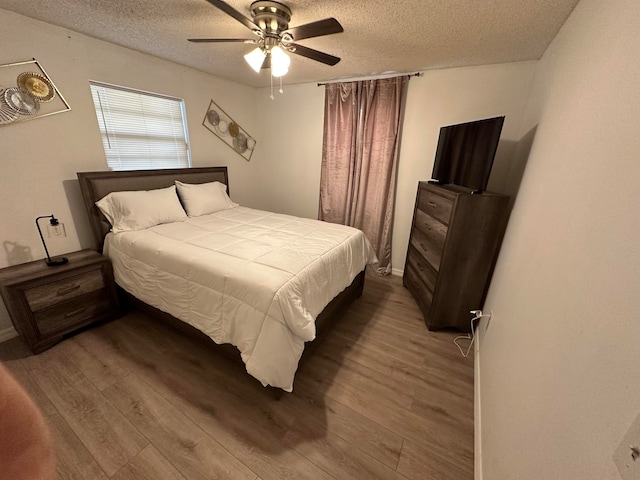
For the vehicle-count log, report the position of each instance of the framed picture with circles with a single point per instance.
(27, 92)
(229, 131)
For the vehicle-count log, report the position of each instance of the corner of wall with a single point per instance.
(477, 410)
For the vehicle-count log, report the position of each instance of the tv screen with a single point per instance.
(465, 153)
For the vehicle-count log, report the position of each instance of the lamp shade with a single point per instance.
(280, 62)
(255, 58)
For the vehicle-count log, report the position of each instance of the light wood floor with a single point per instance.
(381, 398)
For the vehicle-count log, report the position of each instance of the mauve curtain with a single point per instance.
(359, 158)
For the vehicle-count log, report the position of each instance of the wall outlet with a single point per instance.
(627, 455)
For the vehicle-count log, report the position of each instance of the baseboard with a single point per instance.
(397, 272)
(477, 411)
(7, 334)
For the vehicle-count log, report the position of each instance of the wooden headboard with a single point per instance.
(95, 185)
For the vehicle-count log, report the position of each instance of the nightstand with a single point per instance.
(48, 303)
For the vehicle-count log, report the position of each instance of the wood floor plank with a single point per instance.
(394, 317)
(56, 358)
(409, 425)
(137, 347)
(194, 453)
(249, 429)
(107, 434)
(95, 357)
(20, 373)
(73, 460)
(407, 375)
(381, 397)
(412, 352)
(149, 464)
(361, 351)
(328, 417)
(420, 463)
(340, 458)
(359, 375)
(449, 378)
(454, 412)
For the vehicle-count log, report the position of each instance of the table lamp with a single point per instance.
(55, 261)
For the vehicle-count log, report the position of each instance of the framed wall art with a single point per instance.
(27, 92)
(226, 129)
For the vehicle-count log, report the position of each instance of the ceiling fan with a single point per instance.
(270, 24)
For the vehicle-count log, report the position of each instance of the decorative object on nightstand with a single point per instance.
(56, 226)
(47, 304)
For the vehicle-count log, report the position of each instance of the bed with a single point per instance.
(261, 287)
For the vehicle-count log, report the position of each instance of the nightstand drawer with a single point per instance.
(69, 315)
(55, 292)
(47, 304)
(435, 205)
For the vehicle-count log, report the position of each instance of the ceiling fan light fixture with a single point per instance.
(255, 58)
(280, 62)
(270, 23)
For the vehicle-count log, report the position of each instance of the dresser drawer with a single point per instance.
(70, 315)
(420, 291)
(52, 293)
(426, 246)
(435, 205)
(433, 229)
(422, 268)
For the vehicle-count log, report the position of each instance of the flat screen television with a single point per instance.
(465, 153)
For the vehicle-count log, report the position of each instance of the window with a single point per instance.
(141, 130)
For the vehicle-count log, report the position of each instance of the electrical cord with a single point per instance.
(470, 336)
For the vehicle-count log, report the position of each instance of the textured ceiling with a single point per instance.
(380, 36)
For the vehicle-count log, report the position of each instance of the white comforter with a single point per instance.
(247, 277)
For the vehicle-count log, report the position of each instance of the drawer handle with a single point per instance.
(432, 204)
(75, 312)
(423, 247)
(66, 290)
(427, 225)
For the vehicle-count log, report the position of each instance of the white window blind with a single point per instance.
(141, 130)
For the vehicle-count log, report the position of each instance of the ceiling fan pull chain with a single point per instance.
(281, 90)
(271, 76)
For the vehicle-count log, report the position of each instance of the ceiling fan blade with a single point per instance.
(314, 54)
(328, 26)
(229, 10)
(220, 40)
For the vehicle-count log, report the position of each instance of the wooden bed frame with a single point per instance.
(95, 185)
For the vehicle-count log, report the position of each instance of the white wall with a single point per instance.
(446, 97)
(39, 158)
(291, 150)
(559, 384)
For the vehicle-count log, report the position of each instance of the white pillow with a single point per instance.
(137, 210)
(203, 198)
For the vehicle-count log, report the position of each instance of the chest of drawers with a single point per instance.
(453, 246)
(47, 303)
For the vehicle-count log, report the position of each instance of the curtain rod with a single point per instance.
(416, 74)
